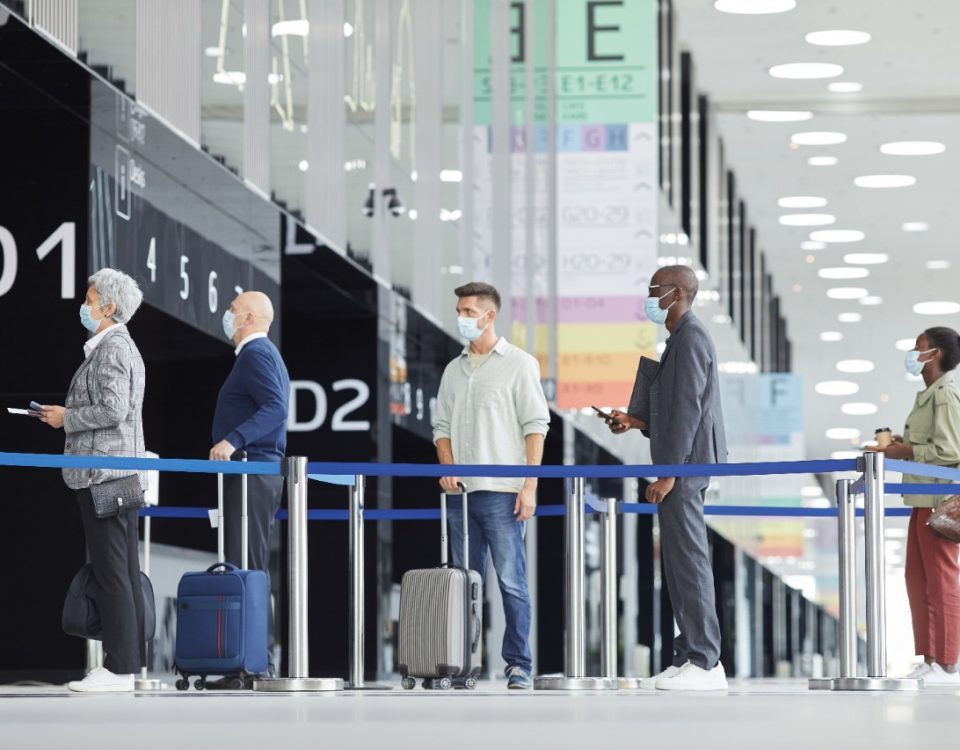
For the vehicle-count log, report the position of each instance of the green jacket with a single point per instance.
(933, 430)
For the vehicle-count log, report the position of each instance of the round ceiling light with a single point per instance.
(847, 292)
(843, 273)
(866, 259)
(849, 317)
(859, 409)
(885, 181)
(936, 308)
(831, 337)
(871, 301)
(818, 138)
(912, 148)
(837, 235)
(855, 365)
(807, 220)
(837, 38)
(937, 265)
(822, 161)
(844, 455)
(906, 345)
(802, 201)
(806, 70)
(914, 226)
(779, 115)
(754, 7)
(836, 388)
(843, 433)
(811, 245)
(844, 87)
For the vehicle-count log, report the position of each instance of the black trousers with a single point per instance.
(113, 548)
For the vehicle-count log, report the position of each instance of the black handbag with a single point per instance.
(81, 616)
(117, 496)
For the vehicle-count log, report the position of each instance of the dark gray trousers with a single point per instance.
(113, 548)
(689, 574)
(263, 501)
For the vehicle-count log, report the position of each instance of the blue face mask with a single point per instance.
(87, 320)
(469, 329)
(655, 313)
(912, 361)
(229, 329)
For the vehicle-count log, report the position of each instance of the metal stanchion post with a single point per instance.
(298, 650)
(874, 522)
(846, 554)
(357, 567)
(608, 610)
(573, 677)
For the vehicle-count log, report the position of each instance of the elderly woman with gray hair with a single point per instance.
(102, 417)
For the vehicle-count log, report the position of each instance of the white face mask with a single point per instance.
(470, 328)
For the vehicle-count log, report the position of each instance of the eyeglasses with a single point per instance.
(658, 286)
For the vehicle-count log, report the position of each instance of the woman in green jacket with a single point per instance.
(932, 436)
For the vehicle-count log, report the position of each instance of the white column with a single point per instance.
(382, 64)
(501, 168)
(256, 95)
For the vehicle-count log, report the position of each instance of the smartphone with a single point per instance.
(602, 413)
(34, 406)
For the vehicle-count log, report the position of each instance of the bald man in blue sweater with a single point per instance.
(251, 416)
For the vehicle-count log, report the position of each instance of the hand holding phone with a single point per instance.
(34, 406)
(602, 413)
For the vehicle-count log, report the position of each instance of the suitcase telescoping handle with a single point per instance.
(221, 531)
(465, 524)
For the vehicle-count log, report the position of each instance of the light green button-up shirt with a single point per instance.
(933, 430)
(488, 411)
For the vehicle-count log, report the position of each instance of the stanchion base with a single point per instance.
(144, 683)
(367, 686)
(561, 682)
(299, 685)
(820, 683)
(875, 683)
(630, 683)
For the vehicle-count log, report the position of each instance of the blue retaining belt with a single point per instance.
(922, 470)
(57, 461)
(922, 489)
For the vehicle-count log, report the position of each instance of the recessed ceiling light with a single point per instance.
(212, 52)
(807, 220)
(304, 165)
(866, 259)
(811, 245)
(802, 201)
(859, 409)
(871, 301)
(822, 161)
(831, 336)
(818, 138)
(937, 265)
(837, 235)
(298, 27)
(811, 259)
(347, 29)
(885, 181)
(906, 345)
(847, 292)
(779, 115)
(843, 433)
(849, 317)
(836, 388)
(843, 273)
(806, 70)
(451, 175)
(855, 365)
(912, 148)
(230, 77)
(936, 308)
(914, 226)
(845, 87)
(837, 38)
(754, 7)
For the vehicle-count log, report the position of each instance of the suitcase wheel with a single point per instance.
(471, 683)
(408, 683)
(444, 683)
(237, 683)
(200, 683)
(183, 684)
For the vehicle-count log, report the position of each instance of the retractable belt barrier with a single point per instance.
(298, 472)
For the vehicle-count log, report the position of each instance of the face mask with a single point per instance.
(229, 329)
(655, 313)
(912, 361)
(87, 320)
(469, 328)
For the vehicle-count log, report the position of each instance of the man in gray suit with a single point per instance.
(685, 427)
(102, 417)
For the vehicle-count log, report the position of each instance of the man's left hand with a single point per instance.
(899, 451)
(657, 491)
(52, 415)
(526, 504)
(222, 451)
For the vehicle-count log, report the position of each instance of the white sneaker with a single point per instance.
(102, 680)
(691, 677)
(937, 677)
(650, 683)
(919, 672)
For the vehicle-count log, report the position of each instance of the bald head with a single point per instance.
(683, 277)
(252, 313)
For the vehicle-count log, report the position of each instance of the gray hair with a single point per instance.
(116, 287)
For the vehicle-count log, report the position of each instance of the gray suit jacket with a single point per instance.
(104, 408)
(686, 421)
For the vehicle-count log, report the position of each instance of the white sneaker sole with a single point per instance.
(692, 687)
(76, 688)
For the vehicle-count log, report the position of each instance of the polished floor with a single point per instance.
(754, 714)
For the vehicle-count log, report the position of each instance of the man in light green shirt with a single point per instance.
(491, 411)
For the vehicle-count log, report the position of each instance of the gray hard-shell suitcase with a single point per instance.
(441, 616)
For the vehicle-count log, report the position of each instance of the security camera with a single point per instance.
(394, 204)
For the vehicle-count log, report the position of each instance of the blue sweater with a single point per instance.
(252, 406)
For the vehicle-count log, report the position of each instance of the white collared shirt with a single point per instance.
(94, 341)
(247, 339)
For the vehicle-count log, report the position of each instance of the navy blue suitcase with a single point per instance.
(222, 617)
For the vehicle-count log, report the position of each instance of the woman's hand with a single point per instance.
(52, 415)
(899, 451)
(619, 422)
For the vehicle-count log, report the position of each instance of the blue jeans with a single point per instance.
(493, 526)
